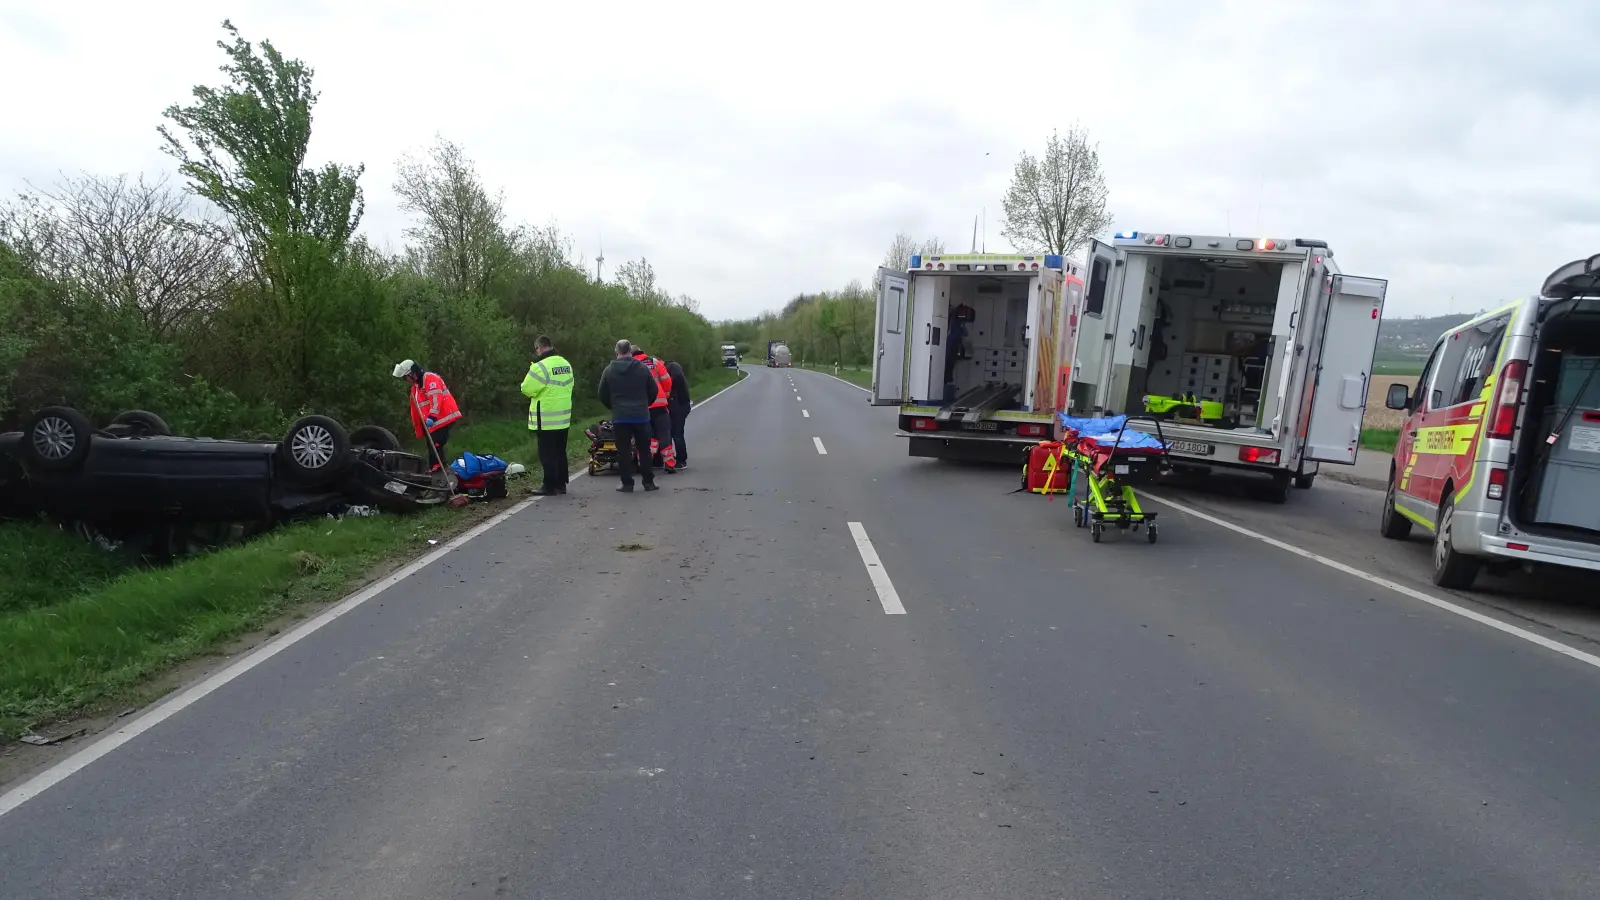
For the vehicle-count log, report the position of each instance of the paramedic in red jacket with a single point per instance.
(433, 409)
(660, 413)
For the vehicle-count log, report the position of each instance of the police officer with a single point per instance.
(548, 387)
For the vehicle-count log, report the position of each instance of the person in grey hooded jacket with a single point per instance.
(627, 388)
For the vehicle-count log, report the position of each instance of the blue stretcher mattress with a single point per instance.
(1104, 431)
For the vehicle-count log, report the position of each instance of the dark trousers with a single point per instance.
(553, 456)
(439, 438)
(678, 420)
(633, 451)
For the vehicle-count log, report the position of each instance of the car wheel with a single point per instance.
(1451, 569)
(1304, 482)
(374, 437)
(1392, 525)
(138, 423)
(1278, 491)
(316, 449)
(56, 439)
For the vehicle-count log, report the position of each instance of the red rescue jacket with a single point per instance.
(663, 379)
(432, 400)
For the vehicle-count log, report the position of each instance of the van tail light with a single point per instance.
(1030, 430)
(924, 425)
(1497, 484)
(1504, 420)
(1258, 455)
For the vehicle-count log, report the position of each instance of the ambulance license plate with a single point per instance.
(981, 426)
(1197, 448)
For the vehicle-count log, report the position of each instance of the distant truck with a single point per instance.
(777, 355)
(730, 356)
(976, 350)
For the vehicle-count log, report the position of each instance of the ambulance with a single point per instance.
(1499, 456)
(1257, 352)
(976, 351)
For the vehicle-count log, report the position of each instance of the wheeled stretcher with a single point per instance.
(1112, 460)
(602, 448)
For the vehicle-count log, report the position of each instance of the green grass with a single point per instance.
(854, 374)
(1383, 439)
(81, 628)
(1397, 367)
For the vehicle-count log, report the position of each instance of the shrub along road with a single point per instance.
(82, 629)
(793, 673)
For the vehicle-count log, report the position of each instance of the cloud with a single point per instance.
(753, 154)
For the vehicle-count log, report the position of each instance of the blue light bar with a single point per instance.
(1052, 261)
(916, 261)
(1127, 235)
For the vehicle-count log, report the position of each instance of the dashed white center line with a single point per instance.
(887, 595)
(797, 397)
(820, 449)
(806, 413)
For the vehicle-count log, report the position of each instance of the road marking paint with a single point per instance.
(1413, 593)
(887, 595)
(805, 413)
(821, 450)
(182, 700)
(798, 397)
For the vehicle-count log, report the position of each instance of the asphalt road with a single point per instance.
(698, 693)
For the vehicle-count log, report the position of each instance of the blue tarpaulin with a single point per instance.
(1105, 431)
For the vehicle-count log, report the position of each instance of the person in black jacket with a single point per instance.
(679, 404)
(627, 388)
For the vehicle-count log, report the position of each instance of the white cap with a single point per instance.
(404, 369)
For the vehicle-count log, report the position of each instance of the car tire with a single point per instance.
(1451, 568)
(1391, 523)
(1304, 482)
(1278, 490)
(56, 439)
(374, 437)
(138, 423)
(316, 450)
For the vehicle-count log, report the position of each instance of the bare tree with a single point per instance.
(462, 239)
(903, 247)
(132, 244)
(638, 278)
(1056, 204)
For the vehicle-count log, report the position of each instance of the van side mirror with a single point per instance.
(1399, 397)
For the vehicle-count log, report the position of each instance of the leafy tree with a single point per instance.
(246, 152)
(1057, 203)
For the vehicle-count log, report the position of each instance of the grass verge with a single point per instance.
(1383, 439)
(855, 375)
(82, 628)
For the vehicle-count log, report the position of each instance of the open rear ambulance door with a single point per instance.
(889, 364)
(1091, 354)
(1343, 372)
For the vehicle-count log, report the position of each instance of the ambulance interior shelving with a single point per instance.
(983, 362)
(1556, 489)
(1206, 330)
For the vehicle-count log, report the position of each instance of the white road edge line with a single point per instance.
(821, 450)
(887, 595)
(1413, 593)
(182, 700)
(805, 413)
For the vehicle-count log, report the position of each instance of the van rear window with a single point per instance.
(1099, 272)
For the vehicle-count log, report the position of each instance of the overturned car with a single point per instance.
(134, 476)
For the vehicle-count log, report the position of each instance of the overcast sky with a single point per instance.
(1450, 147)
